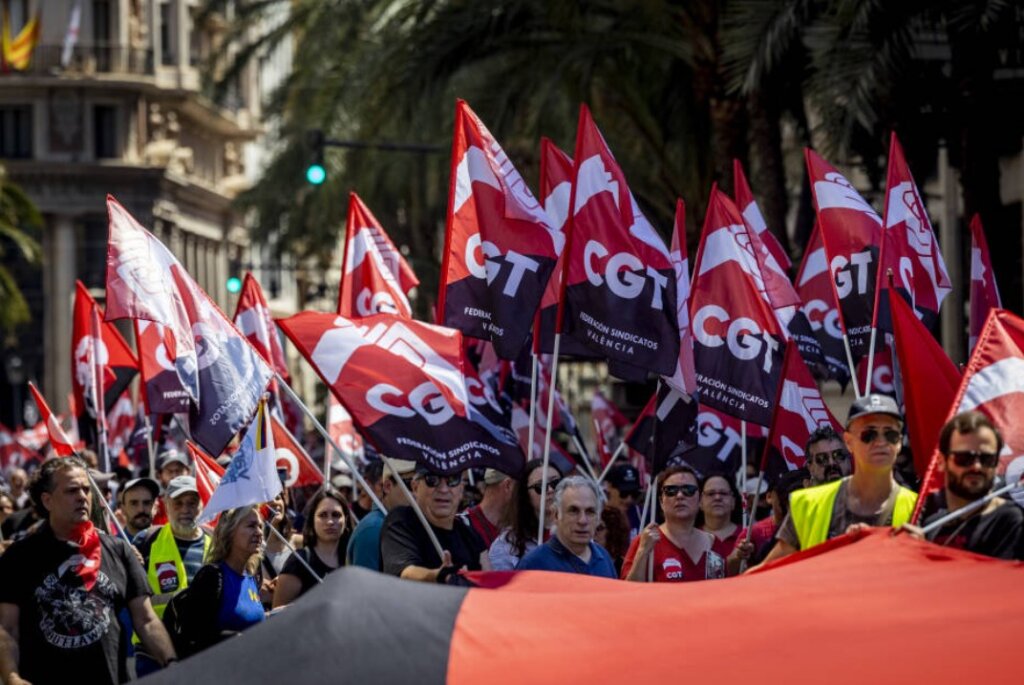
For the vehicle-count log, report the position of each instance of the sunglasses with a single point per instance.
(687, 490)
(891, 435)
(433, 481)
(538, 486)
(838, 456)
(965, 458)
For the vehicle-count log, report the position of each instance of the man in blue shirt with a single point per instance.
(364, 545)
(578, 504)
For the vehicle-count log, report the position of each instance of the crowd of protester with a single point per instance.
(77, 598)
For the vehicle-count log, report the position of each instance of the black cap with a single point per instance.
(148, 483)
(625, 478)
(874, 404)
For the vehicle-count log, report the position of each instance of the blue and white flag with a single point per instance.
(251, 478)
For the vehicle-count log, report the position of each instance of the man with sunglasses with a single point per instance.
(970, 447)
(869, 497)
(405, 548)
(827, 458)
(364, 545)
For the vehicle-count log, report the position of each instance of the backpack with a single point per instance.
(183, 614)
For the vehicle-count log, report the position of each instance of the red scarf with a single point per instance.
(87, 539)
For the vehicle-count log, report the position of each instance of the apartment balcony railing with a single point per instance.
(99, 58)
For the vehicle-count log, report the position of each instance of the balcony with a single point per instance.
(92, 59)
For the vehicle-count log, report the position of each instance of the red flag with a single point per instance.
(824, 344)
(120, 424)
(666, 428)
(521, 425)
(800, 411)
(253, 319)
(375, 278)
(291, 457)
(13, 452)
(500, 248)
(208, 471)
(59, 440)
(752, 216)
(851, 232)
(738, 340)
(993, 383)
(342, 429)
(908, 247)
(930, 382)
(684, 379)
(114, 356)
(404, 383)
(619, 284)
(160, 389)
(984, 293)
(608, 421)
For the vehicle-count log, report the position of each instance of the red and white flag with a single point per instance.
(738, 340)
(984, 292)
(993, 383)
(120, 424)
(500, 246)
(620, 290)
(342, 429)
(298, 465)
(208, 471)
(909, 248)
(253, 319)
(608, 424)
(405, 385)
(684, 379)
(823, 345)
(851, 232)
(375, 276)
(752, 216)
(59, 441)
(160, 388)
(108, 354)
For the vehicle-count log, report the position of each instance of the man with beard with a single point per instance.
(405, 548)
(827, 458)
(970, 447)
(137, 499)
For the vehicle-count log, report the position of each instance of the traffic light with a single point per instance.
(316, 173)
(234, 284)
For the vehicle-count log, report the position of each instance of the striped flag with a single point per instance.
(59, 440)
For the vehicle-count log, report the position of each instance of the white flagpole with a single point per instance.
(871, 361)
(743, 469)
(583, 456)
(552, 385)
(149, 441)
(970, 508)
(273, 513)
(611, 462)
(533, 406)
(849, 363)
(416, 508)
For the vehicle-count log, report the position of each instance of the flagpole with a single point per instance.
(106, 505)
(416, 508)
(323, 431)
(849, 363)
(149, 441)
(970, 508)
(533, 406)
(611, 462)
(743, 468)
(275, 531)
(871, 357)
(552, 385)
(583, 456)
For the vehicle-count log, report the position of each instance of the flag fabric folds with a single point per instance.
(253, 320)
(500, 248)
(375, 277)
(752, 216)
(619, 284)
(251, 477)
(737, 338)
(684, 378)
(822, 347)
(59, 441)
(160, 388)
(342, 429)
(17, 51)
(719, 441)
(208, 471)
(984, 292)
(298, 466)
(404, 383)
(667, 426)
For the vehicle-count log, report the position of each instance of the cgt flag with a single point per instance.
(115, 358)
(404, 383)
(684, 379)
(59, 440)
(822, 347)
(993, 383)
(145, 281)
(162, 392)
(251, 477)
(500, 246)
(667, 426)
(619, 283)
(984, 293)
(851, 232)
(738, 340)
(376, 278)
(753, 218)
(299, 468)
(253, 320)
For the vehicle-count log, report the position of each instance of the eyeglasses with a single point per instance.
(687, 490)
(823, 458)
(891, 435)
(965, 458)
(433, 481)
(537, 487)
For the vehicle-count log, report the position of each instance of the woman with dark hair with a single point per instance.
(328, 527)
(522, 518)
(721, 511)
(613, 534)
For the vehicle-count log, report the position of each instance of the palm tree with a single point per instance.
(19, 218)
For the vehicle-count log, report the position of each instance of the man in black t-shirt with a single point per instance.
(405, 548)
(970, 447)
(62, 587)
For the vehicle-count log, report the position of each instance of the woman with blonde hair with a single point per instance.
(224, 597)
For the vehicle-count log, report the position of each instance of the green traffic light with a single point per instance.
(234, 284)
(316, 174)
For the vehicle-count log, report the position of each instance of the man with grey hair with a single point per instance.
(578, 504)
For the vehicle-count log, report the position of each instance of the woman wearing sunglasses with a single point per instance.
(522, 516)
(682, 551)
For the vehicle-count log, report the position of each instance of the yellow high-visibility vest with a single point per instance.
(811, 510)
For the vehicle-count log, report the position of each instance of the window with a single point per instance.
(104, 131)
(167, 37)
(16, 132)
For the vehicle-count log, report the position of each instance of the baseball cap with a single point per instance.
(181, 485)
(402, 467)
(751, 485)
(494, 476)
(625, 478)
(148, 483)
(170, 456)
(342, 481)
(873, 404)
